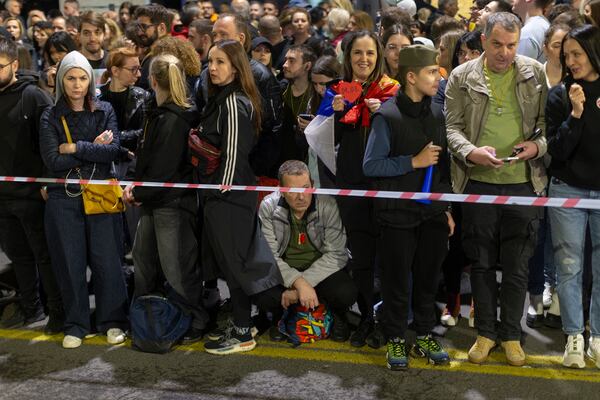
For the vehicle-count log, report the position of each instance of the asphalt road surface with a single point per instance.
(34, 366)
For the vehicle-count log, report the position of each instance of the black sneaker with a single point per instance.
(12, 317)
(377, 338)
(534, 321)
(193, 335)
(364, 329)
(275, 334)
(219, 333)
(235, 340)
(553, 321)
(340, 331)
(34, 316)
(56, 324)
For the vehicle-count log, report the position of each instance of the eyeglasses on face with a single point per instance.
(143, 27)
(133, 70)
(2, 66)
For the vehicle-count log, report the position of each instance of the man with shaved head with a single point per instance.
(270, 28)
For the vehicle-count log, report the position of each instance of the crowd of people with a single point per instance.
(503, 102)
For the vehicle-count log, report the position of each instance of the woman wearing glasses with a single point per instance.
(128, 101)
(130, 105)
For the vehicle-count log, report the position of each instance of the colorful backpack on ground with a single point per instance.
(301, 325)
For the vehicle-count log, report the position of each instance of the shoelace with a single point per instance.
(430, 344)
(398, 349)
(574, 341)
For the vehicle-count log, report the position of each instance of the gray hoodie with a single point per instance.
(74, 60)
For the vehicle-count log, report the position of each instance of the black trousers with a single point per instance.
(505, 236)
(231, 249)
(23, 240)
(455, 261)
(419, 252)
(165, 247)
(338, 291)
(358, 216)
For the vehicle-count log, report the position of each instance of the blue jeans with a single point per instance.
(568, 239)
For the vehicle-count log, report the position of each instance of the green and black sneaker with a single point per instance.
(428, 347)
(397, 354)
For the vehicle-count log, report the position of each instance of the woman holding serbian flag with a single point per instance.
(364, 88)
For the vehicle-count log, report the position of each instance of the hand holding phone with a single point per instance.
(308, 117)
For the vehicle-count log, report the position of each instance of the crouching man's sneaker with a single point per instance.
(235, 340)
(594, 350)
(428, 347)
(514, 353)
(397, 354)
(573, 357)
(480, 350)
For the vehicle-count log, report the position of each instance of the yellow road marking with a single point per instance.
(539, 366)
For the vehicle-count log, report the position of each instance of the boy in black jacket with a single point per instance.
(408, 135)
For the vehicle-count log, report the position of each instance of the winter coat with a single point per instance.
(84, 126)
(163, 154)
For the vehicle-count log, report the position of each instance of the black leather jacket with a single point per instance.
(138, 103)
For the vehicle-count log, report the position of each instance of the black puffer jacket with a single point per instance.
(21, 106)
(163, 154)
(84, 126)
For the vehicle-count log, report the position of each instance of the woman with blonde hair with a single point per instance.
(343, 4)
(165, 243)
(112, 33)
(15, 27)
(360, 21)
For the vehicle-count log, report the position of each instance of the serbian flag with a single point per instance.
(320, 131)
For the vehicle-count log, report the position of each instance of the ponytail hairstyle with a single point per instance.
(168, 72)
(244, 77)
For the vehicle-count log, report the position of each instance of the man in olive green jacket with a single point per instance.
(495, 127)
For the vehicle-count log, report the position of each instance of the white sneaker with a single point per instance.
(547, 296)
(448, 320)
(573, 357)
(115, 336)
(593, 351)
(71, 342)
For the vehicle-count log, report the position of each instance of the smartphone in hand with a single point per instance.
(307, 117)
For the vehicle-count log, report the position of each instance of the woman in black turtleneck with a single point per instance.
(573, 118)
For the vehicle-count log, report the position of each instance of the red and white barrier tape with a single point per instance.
(591, 204)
